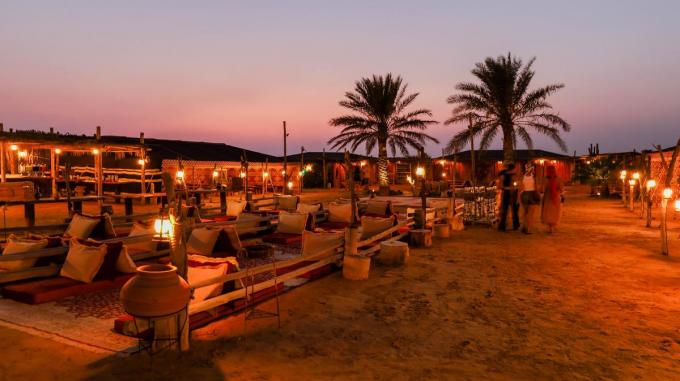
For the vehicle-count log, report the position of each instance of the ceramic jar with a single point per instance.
(157, 290)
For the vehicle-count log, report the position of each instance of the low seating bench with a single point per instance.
(51, 289)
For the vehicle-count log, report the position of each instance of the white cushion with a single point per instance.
(17, 246)
(235, 208)
(340, 212)
(148, 244)
(202, 241)
(374, 225)
(292, 223)
(83, 262)
(125, 264)
(315, 243)
(287, 202)
(307, 208)
(208, 268)
(81, 226)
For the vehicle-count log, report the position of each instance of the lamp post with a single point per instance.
(420, 173)
(651, 184)
(622, 176)
(631, 195)
(667, 194)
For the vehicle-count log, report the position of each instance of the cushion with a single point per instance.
(202, 241)
(287, 202)
(81, 226)
(292, 223)
(375, 225)
(308, 208)
(314, 243)
(17, 245)
(235, 208)
(52, 240)
(228, 242)
(125, 264)
(377, 207)
(340, 212)
(201, 268)
(148, 245)
(83, 262)
(103, 230)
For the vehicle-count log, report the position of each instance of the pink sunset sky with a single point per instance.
(231, 72)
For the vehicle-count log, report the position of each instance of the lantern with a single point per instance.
(308, 168)
(57, 151)
(636, 176)
(290, 185)
(667, 193)
(242, 174)
(216, 174)
(631, 182)
(623, 174)
(14, 147)
(23, 154)
(651, 184)
(677, 205)
(141, 162)
(95, 151)
(163, 227)
(180, 175)
(420, 171)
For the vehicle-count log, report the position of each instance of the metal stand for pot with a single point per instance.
(154, 344)
(251, 310)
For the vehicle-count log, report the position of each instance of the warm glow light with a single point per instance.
(631, 182)
(623, 175)
(290, 185)
(362, 163)
(420, 171)
(677, 205)
(587, 161)
(442, 162)
(216, 174)
(163, 227)
(308, 168)
(443, 174)
(283, 173)
(140, 161)
(57, 151)
(651, 184)
(14, 147)
(409, 179)
(541, 161)
(23, 154)
(554, 161)
(266, 174)
(301, 173)
(667, 193)
(95, 151)
(636, 176)
(180, 174)
(242, 174)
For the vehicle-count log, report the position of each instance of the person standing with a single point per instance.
(551, 210)
(529, 198)
(508, 197)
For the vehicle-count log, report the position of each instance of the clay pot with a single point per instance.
(156, 290)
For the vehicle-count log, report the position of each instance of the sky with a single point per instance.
(231, 72)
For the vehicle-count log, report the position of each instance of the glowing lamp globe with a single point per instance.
(677, 205)
(651, 184)
(631, 182)
(216, 174)
(443, 174)
(57, 151)
(95, 151)
(14, 147)
(23, 153)
(163, 227)
(308, 168)
(623, 175)
(242, 174)
(667, 193)
(420, 171)
(636, 176)
(290, 185)
(140, 162)
(180, 174)
(266, 174)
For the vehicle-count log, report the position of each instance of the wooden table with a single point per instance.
(128, 199)
(29, 205)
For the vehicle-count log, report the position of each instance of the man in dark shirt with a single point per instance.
(508, 197)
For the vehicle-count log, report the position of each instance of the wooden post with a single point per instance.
(285, 160)
(53, 172)
(664, 228)
(323, 166)
(649, 193)
(3, 174)
(99, 167)
(302, 165)
(142, 178)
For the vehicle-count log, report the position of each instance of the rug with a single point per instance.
(84, 321)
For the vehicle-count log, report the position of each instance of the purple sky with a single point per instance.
(227, 72)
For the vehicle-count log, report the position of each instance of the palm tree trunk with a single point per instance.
(383, 176)
(508, 146)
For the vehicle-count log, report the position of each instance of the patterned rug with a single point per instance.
(84, 321)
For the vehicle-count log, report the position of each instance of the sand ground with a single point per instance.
(594, 301)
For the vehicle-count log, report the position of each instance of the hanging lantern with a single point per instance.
(163, 227)
(180, 175)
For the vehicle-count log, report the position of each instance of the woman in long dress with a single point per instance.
(551, 208)
(529, 197)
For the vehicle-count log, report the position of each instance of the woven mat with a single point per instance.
(84, 321)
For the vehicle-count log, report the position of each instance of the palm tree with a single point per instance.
(380, 118)
(503, 102)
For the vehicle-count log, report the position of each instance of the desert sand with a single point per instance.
(594, 301)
